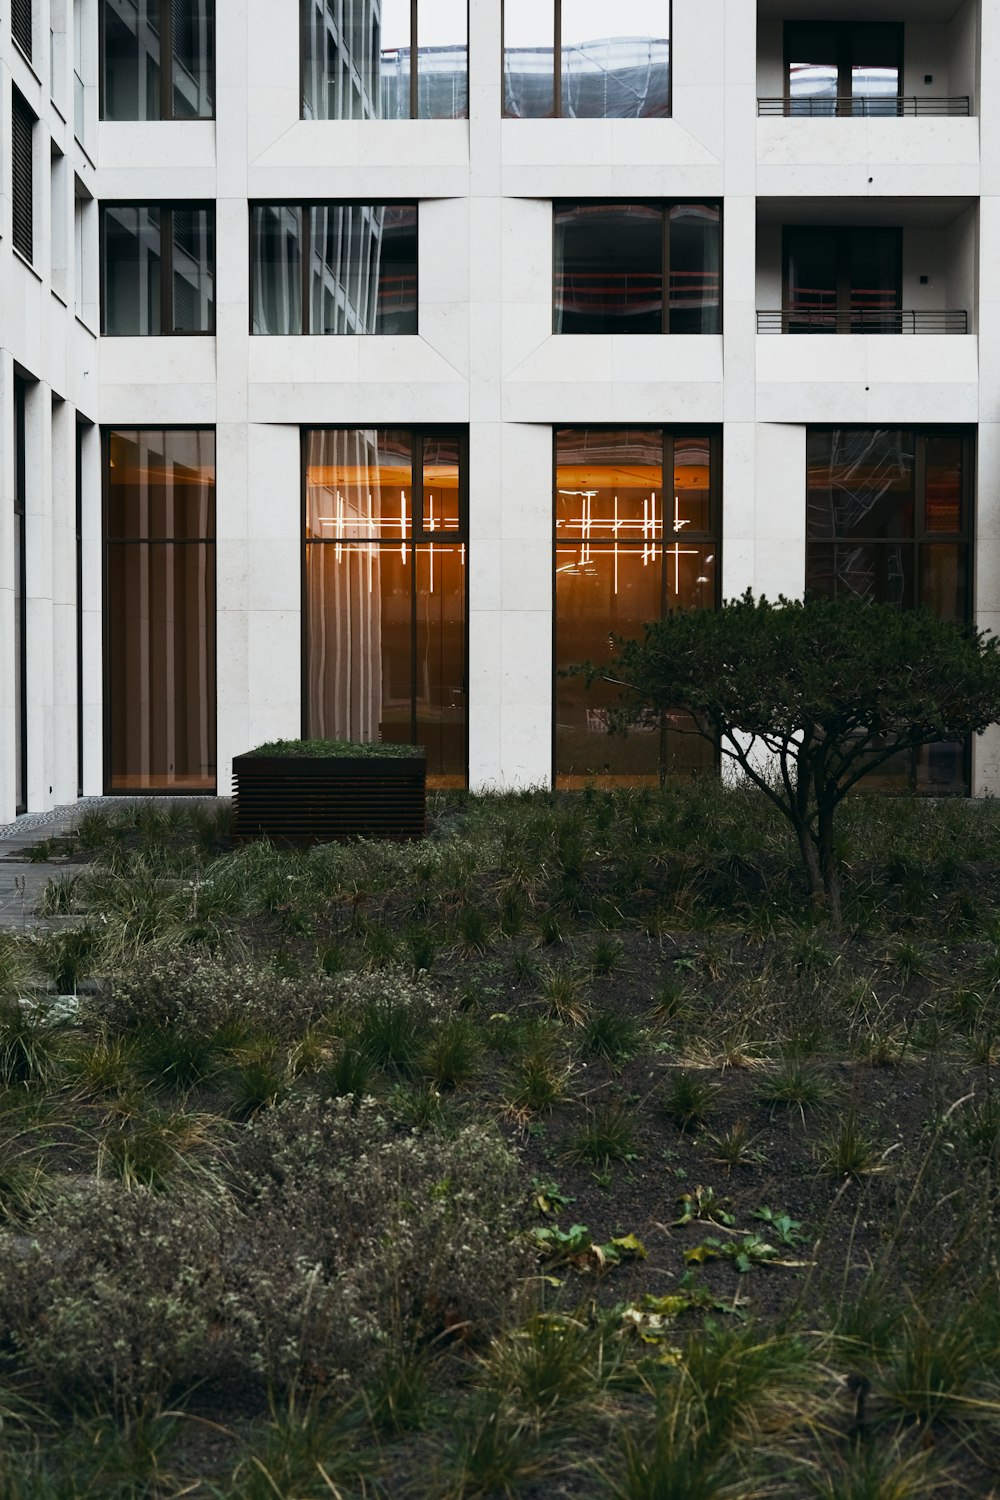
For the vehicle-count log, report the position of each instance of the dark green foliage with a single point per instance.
(832, 688)
(325, 749)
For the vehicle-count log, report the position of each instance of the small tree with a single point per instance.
(832, 689)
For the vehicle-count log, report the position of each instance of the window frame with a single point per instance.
(22, 177)
(557, 113)
(305, 268)
(669, 433)
(664, 205)
(105, 432)
(845, 58)
(921, 537)
(414, 71)
(166, 72)
(167, 207)
(418, 432)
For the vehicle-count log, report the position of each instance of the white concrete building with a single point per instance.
(363, 425)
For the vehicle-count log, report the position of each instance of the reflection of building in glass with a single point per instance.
(333, 268)
(608, 78)
(358, 64)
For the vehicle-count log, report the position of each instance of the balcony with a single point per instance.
(866, 320)
(850, 107)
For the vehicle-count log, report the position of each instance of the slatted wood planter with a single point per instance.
(316, 799)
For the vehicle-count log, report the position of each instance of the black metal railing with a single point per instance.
(846, 106)
(862, 320)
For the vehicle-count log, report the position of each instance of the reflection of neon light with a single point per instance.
(402, 525)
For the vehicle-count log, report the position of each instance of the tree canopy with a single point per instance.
(807, 698)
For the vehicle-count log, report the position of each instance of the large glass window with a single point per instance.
(847, 68)
(384, 59)
(586, 59)
(159, 527)
(334, 267)
(889, 518)
(636, 535)
(157, 59)
(157, 268)
(385, 608)
(842, 280)
(637, 268)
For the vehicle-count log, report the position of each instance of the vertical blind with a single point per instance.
(21, 177)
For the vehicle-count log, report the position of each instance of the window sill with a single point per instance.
(59, 297)
(26, 263)
(87, 327)
(26, 60)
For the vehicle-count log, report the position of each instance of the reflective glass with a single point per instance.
(131, 59)
(442, 495)
(692, 471)
(529, 29)
(874, 256)
(609, 484)
(276, 233)
(131, 270)
(193, 267)
(860, 483)
(442, 60)
(386, 620)
(811, 260)
(363, 269)
(608, 268)
(193, 46)
(874, 69)
(615, 59)
(943, 507)
(394, 59)
(359, 484)
(160, 622)
(882, 571)
(694, 254)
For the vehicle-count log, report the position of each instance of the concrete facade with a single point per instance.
(485, 357)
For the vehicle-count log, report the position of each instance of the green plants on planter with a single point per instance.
(607, 1135)
(687, 1099)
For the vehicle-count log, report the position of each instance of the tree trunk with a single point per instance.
(828, 860)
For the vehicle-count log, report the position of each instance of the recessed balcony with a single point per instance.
(867, 320)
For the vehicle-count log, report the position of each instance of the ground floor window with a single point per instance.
(385, 590)
(159, 529)
(637, 524)
(889, 517)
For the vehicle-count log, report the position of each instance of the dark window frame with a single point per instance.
(921, 537)
(305, 253)
(419, 432)
(844, 31)
(22, 174)
(557, 113)
(106, 431)
(414, 67)
(22, 26)
(166, 208)
(166, 69)
(841, 236)
(20, 591)
(664, 205)
(714, 534)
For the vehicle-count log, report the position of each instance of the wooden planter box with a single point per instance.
(319, 799)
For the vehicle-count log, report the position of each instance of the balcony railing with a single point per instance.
(847, 106)
(862, 320)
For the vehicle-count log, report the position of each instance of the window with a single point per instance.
(626, 551)
(394, 60)
(22, 177)
(594, 61)
(333, 268)
(20, 25)
(385, 580)
(637, 268)
(159, 529)
(20, 603)
(843, 280)
(157, 59)
(888, 518)
(847, 68)
(157, 268)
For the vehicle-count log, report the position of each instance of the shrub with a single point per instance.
(117, 1297)
(369, 1241)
